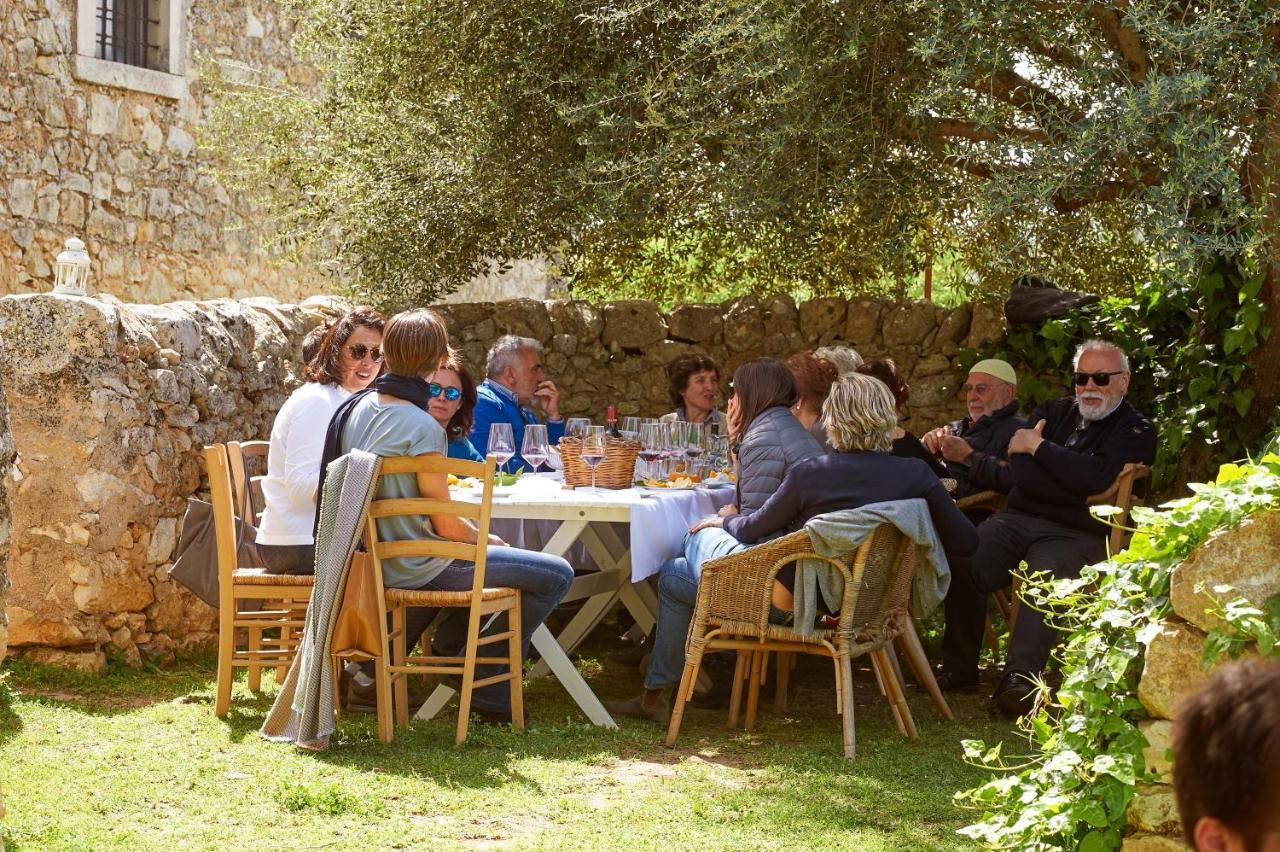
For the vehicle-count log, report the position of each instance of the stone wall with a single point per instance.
(110, 403)
(1248, 560)
(120, 168)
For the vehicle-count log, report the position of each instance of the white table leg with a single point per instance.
(435, 702)
(568, 675)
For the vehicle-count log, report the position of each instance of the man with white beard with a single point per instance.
(1076, 448)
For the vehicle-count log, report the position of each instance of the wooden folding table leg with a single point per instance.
(780, 685)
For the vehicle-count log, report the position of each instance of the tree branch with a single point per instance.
(1068, 202)
(1031, 98)
(1123, 39)
(939, 129)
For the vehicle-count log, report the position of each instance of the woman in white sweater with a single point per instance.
(350, 358)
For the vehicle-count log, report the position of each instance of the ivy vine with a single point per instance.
(1075, 787)
(1188, 345)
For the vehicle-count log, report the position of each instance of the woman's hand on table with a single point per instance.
(707, 523)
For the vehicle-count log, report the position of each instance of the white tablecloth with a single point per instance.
(658, 519)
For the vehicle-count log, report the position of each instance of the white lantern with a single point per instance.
(71, 269)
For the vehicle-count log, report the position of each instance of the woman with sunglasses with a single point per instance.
(452, 394)
(349, 359)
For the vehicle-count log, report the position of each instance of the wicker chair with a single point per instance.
(732, 612)
(284, 596)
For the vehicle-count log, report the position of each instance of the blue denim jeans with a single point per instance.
(543, 581)
(677, 593)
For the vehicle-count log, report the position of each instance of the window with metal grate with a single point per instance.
(132, 32)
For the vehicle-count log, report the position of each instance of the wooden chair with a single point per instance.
(248, 487)
(394, 664)
(282, 595)
(732, 613)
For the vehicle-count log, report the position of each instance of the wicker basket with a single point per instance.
(616, 471)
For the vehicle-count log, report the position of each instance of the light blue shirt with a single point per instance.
(398, 429)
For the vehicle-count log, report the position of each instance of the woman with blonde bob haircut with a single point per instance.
(860, 415)
(393, 418)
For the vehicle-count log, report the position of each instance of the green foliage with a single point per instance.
(325, 798)
(1076, 785)
(1245, 626)
(693, 146)
(1185, 376)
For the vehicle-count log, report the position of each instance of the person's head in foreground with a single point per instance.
(1226, 761)
(415, 343)
(860, 415)
(350, 353)
(1101, 378)
(758, 386)
(814, 377)
(693, 380)
(992, 384)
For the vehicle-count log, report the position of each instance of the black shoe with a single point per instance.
(364, 699)
(635, 708)
(1015, 696)
(634, 653)
(951, 682)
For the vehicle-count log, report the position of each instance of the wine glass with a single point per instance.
(693, 441)
(593, 450)
(576, 427)
(630, 428)
(651, 445)
(534, 447)
(674, 450)
(502, 445)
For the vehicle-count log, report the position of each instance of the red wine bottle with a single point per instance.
(611, 421)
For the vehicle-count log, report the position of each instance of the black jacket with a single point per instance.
(988, 467)
(1074, 463)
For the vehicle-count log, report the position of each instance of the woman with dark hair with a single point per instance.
(453, 399)
(814, 376)
(693, 382)
(768, 441)
(905, 444)
(348, 359)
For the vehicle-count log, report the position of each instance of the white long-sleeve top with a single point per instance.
(293, 463)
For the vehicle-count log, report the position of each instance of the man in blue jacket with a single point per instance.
(514, 391)
(1075, 449)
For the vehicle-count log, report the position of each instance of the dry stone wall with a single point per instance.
(110, 403)
(1247, 559)
(121, 168)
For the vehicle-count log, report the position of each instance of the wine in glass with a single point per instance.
(534, 447)
(501, 445)
(693, 441)
(630, 428)
(651, 435)
(593, 450)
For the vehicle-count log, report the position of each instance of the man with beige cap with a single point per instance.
(975, 449)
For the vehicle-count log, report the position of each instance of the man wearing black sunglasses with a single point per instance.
(1075, 449)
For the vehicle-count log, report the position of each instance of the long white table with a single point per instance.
(540, 513)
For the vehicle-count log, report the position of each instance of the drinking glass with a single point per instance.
(501, 445)
(674, 449)
(576, 427)
(651, 445)
(593, 450)
(534, 447)
(630, 428)
(693, 440)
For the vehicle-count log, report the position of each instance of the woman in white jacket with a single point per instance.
(350, 358)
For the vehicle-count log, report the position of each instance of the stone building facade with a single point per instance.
(108, 152)
(109, 405)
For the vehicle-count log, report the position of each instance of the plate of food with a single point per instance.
(675, 483)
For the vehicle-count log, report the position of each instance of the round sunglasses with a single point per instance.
(358, 351)
(451, 394)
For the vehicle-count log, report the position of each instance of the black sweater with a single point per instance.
(987, 467)
(838, 481)
(1058, 480)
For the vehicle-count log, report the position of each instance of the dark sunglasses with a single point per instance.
(1099, 379)
(451, 394)
(358, 351)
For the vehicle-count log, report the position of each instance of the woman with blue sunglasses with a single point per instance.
(453, 400)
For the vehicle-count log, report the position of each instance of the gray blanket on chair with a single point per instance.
(839, 534)
(303, 710)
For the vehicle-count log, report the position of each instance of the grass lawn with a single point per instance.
(137, 760)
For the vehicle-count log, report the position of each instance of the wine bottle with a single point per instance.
(611, 421)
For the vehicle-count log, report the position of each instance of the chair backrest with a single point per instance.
(1121, 494)
(882, 576)
(224, 525)
(247, 487)
(417, 507)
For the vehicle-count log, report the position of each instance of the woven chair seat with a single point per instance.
(261, 577)
(420, 597)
